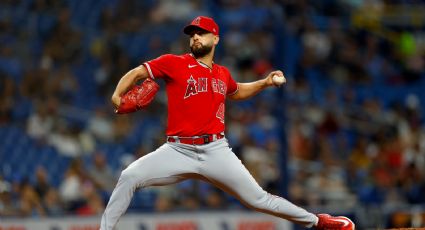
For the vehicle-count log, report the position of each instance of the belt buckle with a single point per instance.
(206, 139)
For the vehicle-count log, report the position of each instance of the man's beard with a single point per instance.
(200, 51)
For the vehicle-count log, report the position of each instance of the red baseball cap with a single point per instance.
(204, 23)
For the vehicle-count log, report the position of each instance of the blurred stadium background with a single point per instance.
(345, 135)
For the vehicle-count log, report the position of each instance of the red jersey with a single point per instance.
(196, 93)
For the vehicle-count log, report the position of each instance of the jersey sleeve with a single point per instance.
(160, 67)
(232, 85)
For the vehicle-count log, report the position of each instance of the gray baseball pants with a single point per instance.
(213, 162)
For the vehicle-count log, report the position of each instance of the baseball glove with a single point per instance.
(138, 97)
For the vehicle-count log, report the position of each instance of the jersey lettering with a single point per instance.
(191, 88)
(221, 87)
(220, 113)
(214, 85)
(202, 84)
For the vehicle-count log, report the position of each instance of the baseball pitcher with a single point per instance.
(196, 146)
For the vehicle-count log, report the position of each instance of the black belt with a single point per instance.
(196, 140)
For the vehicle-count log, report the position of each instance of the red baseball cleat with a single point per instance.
(328, 222)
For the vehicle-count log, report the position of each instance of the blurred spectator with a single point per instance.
(101, 126)
(93, 204)
(65, 140)
(214, 200)
(261, 164)
(175, 10)
(52, 203)
(7, 206)
(40, 123)
(63, 84)
(166, 198)
(103, 74)
(71, 188)
(122, 127)
(189, 202)
(35, 84)
(125, 160)
(30, 202)
(102, 176)
(42, 185)
(163, 204)
(7, 98)
(316, 43)
(64, 43)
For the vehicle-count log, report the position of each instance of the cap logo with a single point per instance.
(197, 21)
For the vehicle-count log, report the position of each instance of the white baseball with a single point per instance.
(278, 80)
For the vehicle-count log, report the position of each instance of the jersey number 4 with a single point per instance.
(220, 113)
